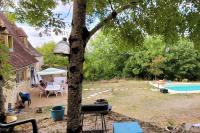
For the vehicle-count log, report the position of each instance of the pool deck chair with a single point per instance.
(127, 127)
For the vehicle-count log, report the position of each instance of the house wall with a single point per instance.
(11, 94)
(39, 63)
(24, 74)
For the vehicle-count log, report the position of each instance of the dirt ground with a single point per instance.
(47, 125)
(42, 101)
(135, 99)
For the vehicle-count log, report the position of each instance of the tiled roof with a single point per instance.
(30, 49)
(33, 51)
(22, 55)
(20, 32)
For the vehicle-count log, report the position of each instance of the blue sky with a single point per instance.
(33, 35)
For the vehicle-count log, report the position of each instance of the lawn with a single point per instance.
(136, 99)
(132, 98)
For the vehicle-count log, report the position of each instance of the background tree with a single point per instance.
(5, 71)
(50, 59)
(5, 68)
(176, 61)
(105, 58)
(182, 61)
(155, 66)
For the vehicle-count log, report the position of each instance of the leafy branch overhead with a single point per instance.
(134, 18)
(39, 13)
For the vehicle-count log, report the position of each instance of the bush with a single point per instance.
(154, 59)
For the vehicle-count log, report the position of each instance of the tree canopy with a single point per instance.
(132, 19)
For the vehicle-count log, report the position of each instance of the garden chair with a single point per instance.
(61, 90)
(42, 90)
(58, 88)
(10, 126)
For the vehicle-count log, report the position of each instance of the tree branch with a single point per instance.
(111, 5)
(111, 16)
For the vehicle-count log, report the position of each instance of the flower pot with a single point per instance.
(57, 113)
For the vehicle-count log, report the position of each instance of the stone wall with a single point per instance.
(11, 95)
(39, 63)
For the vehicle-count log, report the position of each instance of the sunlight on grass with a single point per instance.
(136, 99)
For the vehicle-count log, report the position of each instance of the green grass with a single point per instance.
(140, 102)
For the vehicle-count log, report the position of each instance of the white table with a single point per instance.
(53, 89)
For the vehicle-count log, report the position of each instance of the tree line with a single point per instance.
(107, 58)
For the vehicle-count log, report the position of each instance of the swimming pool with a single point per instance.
(183, 88)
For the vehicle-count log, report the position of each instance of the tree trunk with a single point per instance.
(2, 107)
(77, 40)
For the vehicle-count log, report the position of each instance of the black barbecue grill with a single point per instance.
(97, 109)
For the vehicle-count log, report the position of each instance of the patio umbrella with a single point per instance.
(52, 71)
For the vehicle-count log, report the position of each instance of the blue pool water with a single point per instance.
(183, 87)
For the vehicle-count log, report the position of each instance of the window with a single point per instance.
(7, 40)
(21, 75)
(25, 74)
(10, 43)
(2, 39)
(25, 41)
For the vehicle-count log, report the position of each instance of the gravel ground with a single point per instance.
(47, 125)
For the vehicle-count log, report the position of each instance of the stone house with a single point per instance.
(23, 57)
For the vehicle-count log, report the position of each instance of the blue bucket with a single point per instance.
(57, 113)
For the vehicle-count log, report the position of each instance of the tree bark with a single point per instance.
(2, 107)
(78, 39)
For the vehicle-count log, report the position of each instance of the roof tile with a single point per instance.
(22, 55)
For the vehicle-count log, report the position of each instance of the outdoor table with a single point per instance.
(52, 89)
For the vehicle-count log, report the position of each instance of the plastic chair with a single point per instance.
(58, 89)
(11, 126)
(42, 90)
